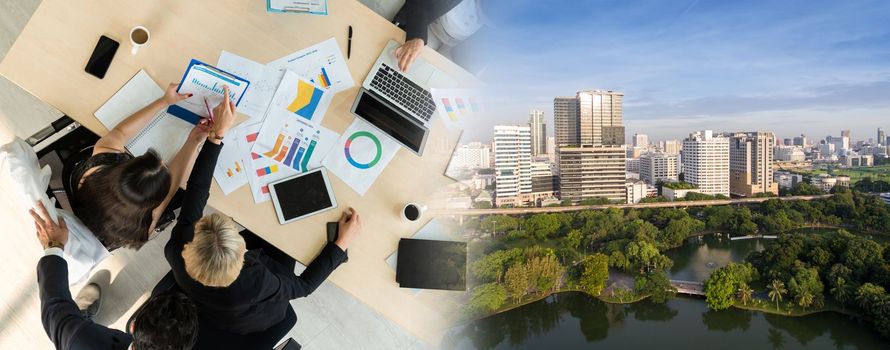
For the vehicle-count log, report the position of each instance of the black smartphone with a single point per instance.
(333, 231)
(101, 57)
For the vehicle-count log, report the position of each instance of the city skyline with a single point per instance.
(777, 66)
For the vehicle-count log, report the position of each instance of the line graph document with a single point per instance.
(263, 82)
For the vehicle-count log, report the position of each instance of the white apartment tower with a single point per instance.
(474, 155)
(706, 162)
(512, 163)
(538, 131)
(655, 167)
(641, 140)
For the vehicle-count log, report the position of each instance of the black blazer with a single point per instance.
(416, 15)
(62, 320)
(259, 298)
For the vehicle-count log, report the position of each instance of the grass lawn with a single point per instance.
(881, 172)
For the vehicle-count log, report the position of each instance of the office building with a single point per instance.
(565, 121)
(641, 140)
(545, 183)
(787, 180)
(595, 171)
(841, 144)
(655, 167)
(706, 162)
(751, 163)
(512, 163)
(539, 132)
(882, 137)
(632, 165)
(800, 140)
(551, 147)
(589, 118)
(886, 198)
(846, 133)
(789, 154)
(788, 142)
(474, 155)
(670, 147)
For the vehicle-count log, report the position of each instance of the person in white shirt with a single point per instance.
(439, 24)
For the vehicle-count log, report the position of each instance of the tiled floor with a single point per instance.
(328, 319)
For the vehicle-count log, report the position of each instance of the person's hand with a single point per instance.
(350, 227)
(408, 53)
(171, 96)
(223, 117)
(48, 232)
(200, 131)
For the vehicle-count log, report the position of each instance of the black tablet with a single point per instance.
(302, 195)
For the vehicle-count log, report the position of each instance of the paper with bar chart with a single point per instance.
(457, 106)
(322, 64)
(260, 170)
(230, 173)
(360, 155)
(205, 82)
(263, 82)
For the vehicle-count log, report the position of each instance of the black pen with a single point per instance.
(349, 44)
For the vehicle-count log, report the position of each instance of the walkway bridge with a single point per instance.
(689, 287)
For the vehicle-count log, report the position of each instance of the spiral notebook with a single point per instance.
(165, 133)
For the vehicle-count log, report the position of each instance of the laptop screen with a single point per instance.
(386, 118)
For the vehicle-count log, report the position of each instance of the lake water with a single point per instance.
(578, 321)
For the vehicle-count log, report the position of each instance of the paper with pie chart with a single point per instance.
(361, 155)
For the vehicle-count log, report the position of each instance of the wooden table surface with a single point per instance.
(48, 60)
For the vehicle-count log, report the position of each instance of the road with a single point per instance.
(684, 204)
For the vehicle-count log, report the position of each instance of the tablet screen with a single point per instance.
(302, 195)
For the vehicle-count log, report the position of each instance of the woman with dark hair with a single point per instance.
(121, 197)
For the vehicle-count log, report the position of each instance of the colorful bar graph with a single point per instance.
(449, 109)
(323, 79)
(305, 164)
(290, 155)
(267, 170)
(277, 146)
(460, 105)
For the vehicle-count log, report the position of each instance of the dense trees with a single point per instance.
(726, 282)
(487, 297)
(595, 273)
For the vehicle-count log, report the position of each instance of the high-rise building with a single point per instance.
(751, 163)
(589, 118)
(706, 162)
(474, 155)
(512, 163)
(551, 145)
(592, 172)
(671, 146)
(565, 121)
(591, 152)
(846, 133)
(641, 140)
(882, 137)
(539, 132)
(655, 167)
(800, 140)
(841, 144)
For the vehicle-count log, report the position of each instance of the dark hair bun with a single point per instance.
(144, 179)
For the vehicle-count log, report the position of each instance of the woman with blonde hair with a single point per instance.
(240, 283)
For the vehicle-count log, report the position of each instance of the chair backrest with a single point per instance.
(68, 170)
(209, 337)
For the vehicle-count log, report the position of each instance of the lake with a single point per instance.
(577, 321)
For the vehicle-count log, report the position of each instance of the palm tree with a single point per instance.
(776, 291)
(745, 293)
(805, 299)
(841, 291)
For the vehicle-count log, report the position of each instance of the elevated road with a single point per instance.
(681, 204)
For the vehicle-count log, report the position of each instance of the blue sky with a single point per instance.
(791, 67)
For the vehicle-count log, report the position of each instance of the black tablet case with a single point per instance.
(430, 264)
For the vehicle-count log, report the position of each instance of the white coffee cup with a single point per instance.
(412, 212)
(139, 37)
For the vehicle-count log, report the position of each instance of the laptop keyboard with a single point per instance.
(393, 84)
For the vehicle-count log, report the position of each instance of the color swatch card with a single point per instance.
(230, 172)
(260, 171)
(322, 64)
(458, 106)
(361, 155)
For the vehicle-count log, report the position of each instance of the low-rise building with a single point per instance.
(826, 182)
(789, 154)
(886, 197)
(786, 179)
(655, 167)
(636, 191)
(676, 190)
(857, 160)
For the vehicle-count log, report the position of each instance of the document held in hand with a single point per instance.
(205, 81)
